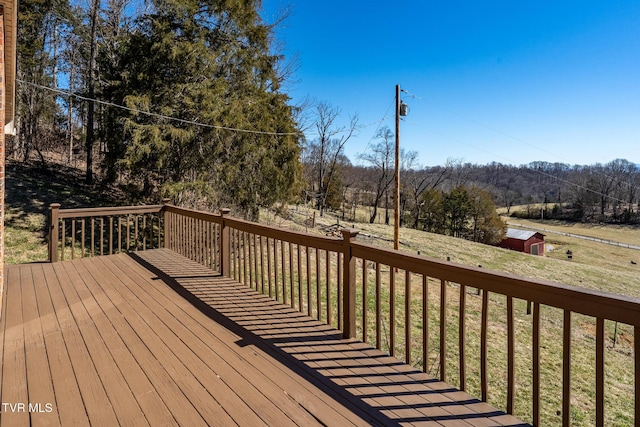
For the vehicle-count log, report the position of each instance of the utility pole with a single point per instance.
(401, 110)
(396, 202)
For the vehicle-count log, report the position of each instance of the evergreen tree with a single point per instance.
(485, 224)
(206, 62)
(431, 211)
(456, 211)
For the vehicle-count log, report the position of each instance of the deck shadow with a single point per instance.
(370, 383)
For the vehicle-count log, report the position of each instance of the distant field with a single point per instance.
(629, 234)
(594, 265)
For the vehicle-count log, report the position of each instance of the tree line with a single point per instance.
(586, 193)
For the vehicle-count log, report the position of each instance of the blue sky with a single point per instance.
(505, 81)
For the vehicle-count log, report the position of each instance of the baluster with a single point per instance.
(318, 286)
(407, 316)
(291, 274)
(483, 345)
(73, 238)
(511, 381)
(339, 290)
(284, 283)
(93, 237)
(566, 370)
(82, 237)
(461, 336)
(536, 364)
(308, 259)
(600, 372)
(327, 285)
(425, 323)
(119, 233)
(64, 238)
(261, 264)
(392, 311)
(378, 309)
(443, 330)
(364, 301)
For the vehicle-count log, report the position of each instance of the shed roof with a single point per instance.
(514, 233)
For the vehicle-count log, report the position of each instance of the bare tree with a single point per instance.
(91, 85)
(380, 156)
(325, 152)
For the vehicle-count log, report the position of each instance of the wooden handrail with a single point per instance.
(88, 234)
(108, 211)
(329, 278)
(590, 302)
(333, 244)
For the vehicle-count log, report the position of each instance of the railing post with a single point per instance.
(349, 284)
(225, 245)
(165, 221)
(53, 233)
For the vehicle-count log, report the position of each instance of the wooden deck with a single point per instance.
(155, 339)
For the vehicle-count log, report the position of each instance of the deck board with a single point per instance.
(242, 363)
(141, 343)
(70, 409)
(155, 339)
(158, 339)
(14, 375)
(142, 391)
(96, 402)
(39, 381)
(260, 397)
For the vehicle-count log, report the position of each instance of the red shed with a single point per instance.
(529, 242)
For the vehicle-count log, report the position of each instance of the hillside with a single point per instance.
(593, 265)
(30, 191)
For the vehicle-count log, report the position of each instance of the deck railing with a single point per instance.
(103, 231)
(445, 318)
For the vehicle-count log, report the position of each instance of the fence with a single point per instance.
(417, 308)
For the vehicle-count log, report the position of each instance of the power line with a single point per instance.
(161, 116)
(379, 124)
